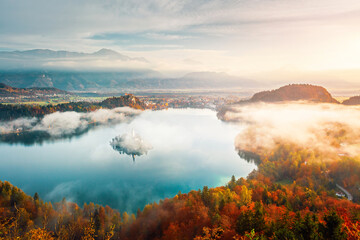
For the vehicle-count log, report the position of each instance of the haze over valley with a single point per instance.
(78, 71)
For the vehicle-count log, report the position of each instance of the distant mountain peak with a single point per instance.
(37, 50)
(106, 51)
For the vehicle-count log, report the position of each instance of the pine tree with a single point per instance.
(332, 228)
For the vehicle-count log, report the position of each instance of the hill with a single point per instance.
(8, 91)
(81, 80)
(128, 100)
(352, 101)
(10, 94)
(120, 80)
(295, 92)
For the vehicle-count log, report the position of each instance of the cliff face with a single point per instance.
(352, 101)
(295, 92)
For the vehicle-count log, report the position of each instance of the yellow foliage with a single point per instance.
(39, 234)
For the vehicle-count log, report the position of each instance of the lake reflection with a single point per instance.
(191, 148)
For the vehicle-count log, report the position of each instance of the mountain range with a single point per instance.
(126, 80)
(109, 71)
(44, 55)
(77, 71)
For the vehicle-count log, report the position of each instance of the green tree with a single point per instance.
(249, 220)
(307, 228)
(332, 228)
(36, 197)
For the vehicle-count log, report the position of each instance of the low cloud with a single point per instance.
(62, 190)
(66, 123)
(61, 123)
(13, 126)
(124, 196)
(130, 144)
(329, 128)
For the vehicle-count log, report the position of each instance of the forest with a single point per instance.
(14, 111)
(291, 195)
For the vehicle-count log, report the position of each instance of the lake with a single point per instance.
(191, 148)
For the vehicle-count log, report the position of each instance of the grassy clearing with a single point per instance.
(284, 182)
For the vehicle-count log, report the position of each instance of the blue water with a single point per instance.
(191, 149)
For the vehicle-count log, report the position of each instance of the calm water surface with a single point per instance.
(191, 148)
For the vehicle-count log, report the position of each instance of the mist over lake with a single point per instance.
(191, 148)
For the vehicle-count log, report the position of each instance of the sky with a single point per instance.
(264, 39)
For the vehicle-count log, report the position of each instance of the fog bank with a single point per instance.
(66, 123)
(331, 128)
